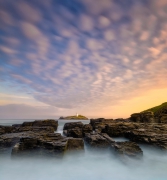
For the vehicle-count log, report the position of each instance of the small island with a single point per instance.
(76, 117)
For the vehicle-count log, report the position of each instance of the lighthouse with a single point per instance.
(77, 114)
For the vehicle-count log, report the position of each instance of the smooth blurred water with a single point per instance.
(90, 165)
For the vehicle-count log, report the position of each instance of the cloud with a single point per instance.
(144, 36)
(156, 41)
(154, 52)
(73, 47)
(109, 35)
(22, 79)
(93, 44)
(34, 34)
(12, 41)
(17, 111)
(16, 62)
(86, 23)
(86, 55)
(30, 30)
(28, 12)
(6, 17)
(97, 6)
(103, 21)
(160, 3)
(7, 50)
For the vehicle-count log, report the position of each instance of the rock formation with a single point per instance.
(77, 117)
(39, 137)
(127, 148)
(76, 129)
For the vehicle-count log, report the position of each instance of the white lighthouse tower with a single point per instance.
(77, 114)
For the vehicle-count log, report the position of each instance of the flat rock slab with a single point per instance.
(44, 143)
(75, 132)
(41, 123)
(127, 148)
(76, 129)
(38, 125)
(119, 129)
(149, 136)
(75, 144)
(87, 128)
(99, 140)
(72, 125)
(52, 144)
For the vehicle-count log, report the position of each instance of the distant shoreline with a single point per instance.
(77, 117)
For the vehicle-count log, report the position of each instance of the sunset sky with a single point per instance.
(99, 58)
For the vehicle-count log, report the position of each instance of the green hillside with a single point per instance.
(157, 110)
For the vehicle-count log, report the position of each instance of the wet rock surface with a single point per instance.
(75, 144)
(75, 132)
(127, 148)
(153, 135)
(147, 117)
(41, 144)
(163, 118)
(98, 140)
(100, 124)
(38, 125)
(76, 129)
(39, 137)
(6, 129)
(72, 125)
(87, 128)
(118, 129)
(42, 123)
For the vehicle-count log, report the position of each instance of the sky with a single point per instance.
(99, 58)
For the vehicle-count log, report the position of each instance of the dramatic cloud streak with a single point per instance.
(85, 55)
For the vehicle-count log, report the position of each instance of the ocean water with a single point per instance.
(90, 165)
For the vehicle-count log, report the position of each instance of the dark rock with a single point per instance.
(61, 117)
(50, 144)
(48, 122)
(143, 117)
(27, 124)
(41, 123)
(163, 118)
(75, 144)
(37, 129)
(2, 130)
(7, 141)
(16, 125)
(150, 133)
(87, 128)
(154, 135)
(72, 125)
(135, 117)
(93, 122)
(6, 129)
(75, 132)
(118, 129)
(98, 140)
(41, 144)
(127, 148)
(76, 129)
(100, 124)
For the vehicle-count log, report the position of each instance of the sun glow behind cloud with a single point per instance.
(88, 56)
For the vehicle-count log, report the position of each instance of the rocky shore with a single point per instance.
(40, 138)
(77, 117)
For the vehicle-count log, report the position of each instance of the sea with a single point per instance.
(90, 165)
